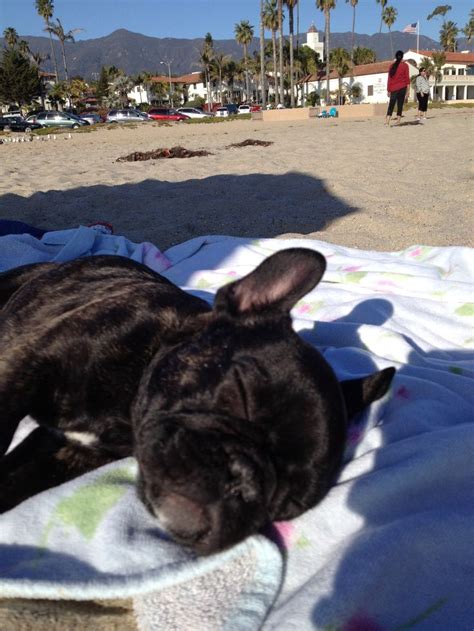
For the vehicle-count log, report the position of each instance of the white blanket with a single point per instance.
(390, 547)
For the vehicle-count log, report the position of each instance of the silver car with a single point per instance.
(126, 116)
(91, 117)
(193, 112)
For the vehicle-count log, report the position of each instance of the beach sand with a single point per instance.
(355, 183)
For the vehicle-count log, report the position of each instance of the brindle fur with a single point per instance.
(233, 419)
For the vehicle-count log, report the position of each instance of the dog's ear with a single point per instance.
(277, 283)
(360, 393)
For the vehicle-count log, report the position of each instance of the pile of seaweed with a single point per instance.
(163, 152)
(250, 141)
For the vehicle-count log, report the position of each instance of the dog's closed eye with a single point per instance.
(243, 483)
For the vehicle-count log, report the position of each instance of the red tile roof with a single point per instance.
(452, 58)
(357, 71)
(186, 78)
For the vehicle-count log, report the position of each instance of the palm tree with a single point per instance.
(353, 4)
(58, 31)
(383, 4)
(326, 6)
(216, 70)
(468, 30)
(206, 56)
(308, 63)
(291, 5)
(447, 36)
(58, 94)
(11, 36)
(354, 91)
(122, 84)
(37, 60)
(262, 56)
(441, 9)
(244, 35)
(281, 90)
(389, 16)
(341, 63)
(45, 10)
(362, 55)
(270, 19)
(229, 72)
(24, 48)
(439, 59)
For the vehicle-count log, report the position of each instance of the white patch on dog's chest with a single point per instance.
(83, 438)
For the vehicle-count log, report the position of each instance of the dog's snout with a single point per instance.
(182, 517)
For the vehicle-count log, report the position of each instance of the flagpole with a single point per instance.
(418, 36)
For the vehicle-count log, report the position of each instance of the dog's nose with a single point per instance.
(183, 518)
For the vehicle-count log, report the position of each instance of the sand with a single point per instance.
(355, 183)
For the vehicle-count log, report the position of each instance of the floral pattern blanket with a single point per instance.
(389, 548)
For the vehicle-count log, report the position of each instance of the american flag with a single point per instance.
(411, 28)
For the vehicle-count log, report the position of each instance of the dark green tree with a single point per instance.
(19, 81)
(102, 89)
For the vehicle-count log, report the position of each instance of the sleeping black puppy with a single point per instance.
(233, 419)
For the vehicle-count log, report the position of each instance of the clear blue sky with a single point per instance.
(194, 18)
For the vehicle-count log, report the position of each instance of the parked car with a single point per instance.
(126, 116)
(193, 112)
(245, 109)
(17, 123)
(166, 114)
(53, 118)
(221, 112)
(91, 117)
(230, 108)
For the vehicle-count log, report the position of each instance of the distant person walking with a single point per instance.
(397, 84)
(422, 86)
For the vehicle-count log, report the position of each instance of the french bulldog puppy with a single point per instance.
(234, 420)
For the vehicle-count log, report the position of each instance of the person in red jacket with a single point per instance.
(397, 84)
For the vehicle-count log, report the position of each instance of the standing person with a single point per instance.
(422, 94)
(397, 84)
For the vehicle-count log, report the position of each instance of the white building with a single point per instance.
(370, 78)
(312, 41)
(457, 83)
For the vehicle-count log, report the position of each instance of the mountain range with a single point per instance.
(134, 53)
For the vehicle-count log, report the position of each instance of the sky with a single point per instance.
(194, 18)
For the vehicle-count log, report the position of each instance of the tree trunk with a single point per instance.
(353, 29)
(292, 81)
(247, 84)
(326, 37)
(53, 54)
(64, 61)
(280, 51)
(208, 89)
(391, 42)
(298, 25)
(262, 57)
(275, 67)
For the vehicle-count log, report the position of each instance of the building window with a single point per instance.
(461, 71)
(370, 90)
(194, 86)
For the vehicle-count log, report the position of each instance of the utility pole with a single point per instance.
(168, 63)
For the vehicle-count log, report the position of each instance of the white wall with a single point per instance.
(377, 83)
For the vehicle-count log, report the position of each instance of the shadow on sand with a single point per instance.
(167, 213)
